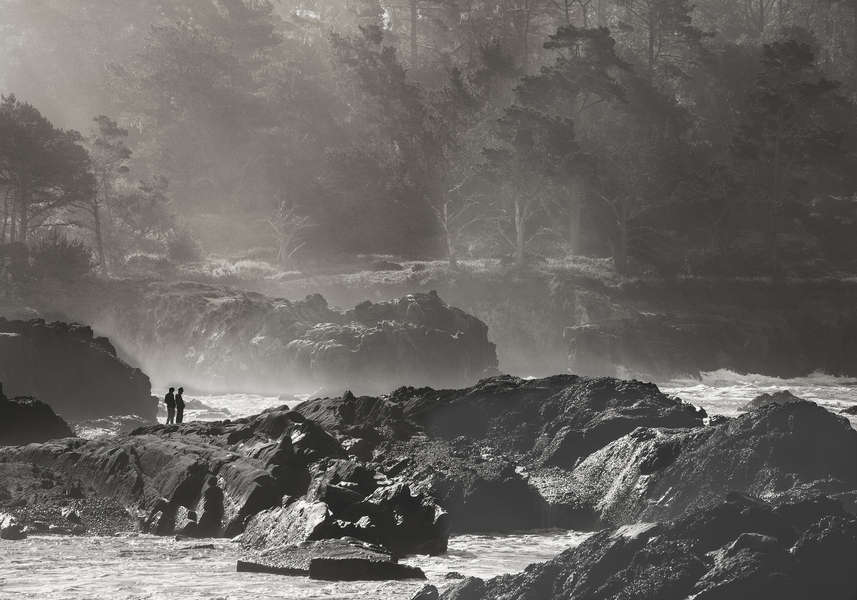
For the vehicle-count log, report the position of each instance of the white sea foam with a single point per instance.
(137, 567)
(725, 392)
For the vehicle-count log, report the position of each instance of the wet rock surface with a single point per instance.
(345, 559)
(510, 454)
(740, 548)
(277, 477)
(476, 449)
(27, 420)
(788, 451)
(87, 379)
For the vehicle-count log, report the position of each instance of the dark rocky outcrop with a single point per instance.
(26, 420)
(219, 338)
(470, 447)
(741, 548)
(65, 365)
(10, 528)
(277, 477)
(510, 454)
(786, 451)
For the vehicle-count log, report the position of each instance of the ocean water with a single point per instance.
(138, 567)
(724, 392)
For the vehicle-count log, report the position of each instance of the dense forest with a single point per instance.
(679, 139)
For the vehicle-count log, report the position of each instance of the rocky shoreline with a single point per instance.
(394, 475)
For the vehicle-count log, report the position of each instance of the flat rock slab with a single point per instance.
(344, 559)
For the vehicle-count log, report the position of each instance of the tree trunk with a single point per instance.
(450, 242)
(651, 48)
(620, 246)
(519, 234)
(414, 19)
(577, 194)
(99, 238)
(776, 202)
(23, 217)
(5, 218)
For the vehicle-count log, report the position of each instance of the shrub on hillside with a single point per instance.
(54, 255)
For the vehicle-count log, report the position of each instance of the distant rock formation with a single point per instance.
(219, 338)
(76, 373)
(26, 420)
(740, 548)
(779, 397)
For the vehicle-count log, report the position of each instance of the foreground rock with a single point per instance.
(472, 448)
(219, 338)
(25, 420)
(277, 477)
(511, 454)
(779, 451)
(344, 559)
(10, 528)
(77, 374)
(742, 548)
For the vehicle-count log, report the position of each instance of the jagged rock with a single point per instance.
(738, 549)
(468, 446)
(219, 338)
(299, 522)
(471, 588)
(428, 592)
(10, 528)
(781, 397)
(87, 379)
(791, 451)
(25, 420)
(404, 521)
(277, 478)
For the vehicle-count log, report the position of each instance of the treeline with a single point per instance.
(716, 138)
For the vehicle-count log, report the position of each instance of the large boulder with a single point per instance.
(10, 528)
(742, 548)
(25, 420)
(480, 449)
(785, 451)
(78, 374)
(219, 338)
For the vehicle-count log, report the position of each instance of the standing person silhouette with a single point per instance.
(180, 406)
(170, 401)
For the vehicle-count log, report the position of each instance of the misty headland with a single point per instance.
(415, 265)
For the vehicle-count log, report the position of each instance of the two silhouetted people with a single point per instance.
(175, 406)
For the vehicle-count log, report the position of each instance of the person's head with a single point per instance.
(181, 390)
(172, 390)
